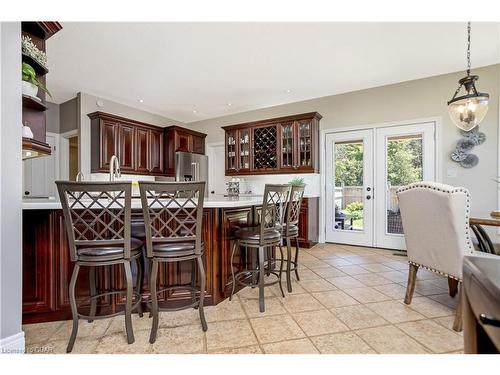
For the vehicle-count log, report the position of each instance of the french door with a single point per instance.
(364, 169)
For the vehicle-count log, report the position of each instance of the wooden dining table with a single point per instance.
(476, 223)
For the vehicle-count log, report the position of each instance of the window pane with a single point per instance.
(349, 185)
(404, 166)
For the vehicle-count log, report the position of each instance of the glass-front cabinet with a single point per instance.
(244, 149)
(231, 151)
(287, 147)
(304, 155)
(281, 145)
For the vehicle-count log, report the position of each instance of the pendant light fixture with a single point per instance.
(468, 110)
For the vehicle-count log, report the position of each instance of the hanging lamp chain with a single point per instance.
(468, 48)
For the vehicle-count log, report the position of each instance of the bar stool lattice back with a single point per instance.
(266, 235)
(173, 216)
(97, 217)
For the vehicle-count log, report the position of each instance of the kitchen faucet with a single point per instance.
(114, 168)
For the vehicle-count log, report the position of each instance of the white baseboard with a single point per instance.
(13, 344)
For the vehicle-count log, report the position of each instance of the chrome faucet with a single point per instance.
(80, 176)
(114, 168)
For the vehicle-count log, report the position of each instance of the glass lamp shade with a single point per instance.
(467, 113)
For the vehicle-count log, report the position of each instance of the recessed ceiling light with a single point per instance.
(288, 91)
(229, 104)
(141, 101)
(195, 111)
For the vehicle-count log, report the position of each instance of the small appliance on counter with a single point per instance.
(233, 187)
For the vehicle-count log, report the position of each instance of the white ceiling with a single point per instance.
(179, 68)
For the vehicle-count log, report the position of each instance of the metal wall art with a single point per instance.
(462, 153)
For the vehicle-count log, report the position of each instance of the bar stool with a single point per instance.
(173, 216)
(290, 230)
(267, 234)
(97, 217)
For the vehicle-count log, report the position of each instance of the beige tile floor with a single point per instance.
(349, 300)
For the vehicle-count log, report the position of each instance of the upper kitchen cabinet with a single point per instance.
(138, 146)
(181, 139)
(141, 148)
(280, 145)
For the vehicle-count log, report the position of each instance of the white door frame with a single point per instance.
(365, 236)
(211, 166)
(381, 238)
(322, 201)
(64, 152)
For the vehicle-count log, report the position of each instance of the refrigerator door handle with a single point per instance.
(195, 171)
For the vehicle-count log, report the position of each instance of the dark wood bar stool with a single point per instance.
(97, 217)
(290, 230)
(173, 216)
(267, 234)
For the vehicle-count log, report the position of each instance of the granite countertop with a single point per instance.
(213, 201)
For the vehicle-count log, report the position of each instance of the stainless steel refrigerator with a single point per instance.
(191, 167)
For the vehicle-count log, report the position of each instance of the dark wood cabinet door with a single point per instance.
(198, 145)
(233, 219)
(109, 142)
(183, 141)
(156, 155)
(142, 150)
(126, 135)
(38, 262)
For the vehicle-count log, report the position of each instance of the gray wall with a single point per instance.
(88, 103)
(10, 182)
(52, 119)
(423, 98)
(68, 115)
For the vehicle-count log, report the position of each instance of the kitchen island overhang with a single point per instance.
(47, 267)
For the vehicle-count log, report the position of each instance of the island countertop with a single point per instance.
(212, 201)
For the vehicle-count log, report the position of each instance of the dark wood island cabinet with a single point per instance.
(47, 267)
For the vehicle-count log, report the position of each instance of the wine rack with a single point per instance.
(265, 144)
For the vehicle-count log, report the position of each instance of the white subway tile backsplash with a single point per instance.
(256, 183)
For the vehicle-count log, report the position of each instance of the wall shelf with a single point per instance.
(39, 68)
(29, 102)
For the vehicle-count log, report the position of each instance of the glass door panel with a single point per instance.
(231, 151)
(244, 149)
(404, 166)
(287, 146)
(305, 141)
(349, 184)
(404, 154)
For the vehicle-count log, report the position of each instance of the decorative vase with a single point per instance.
(30, 89)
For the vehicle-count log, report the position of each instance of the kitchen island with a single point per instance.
(47, 267)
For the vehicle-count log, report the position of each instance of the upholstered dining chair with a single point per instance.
(436, 228)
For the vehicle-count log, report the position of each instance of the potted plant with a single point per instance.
(297, 181)
(31, 84)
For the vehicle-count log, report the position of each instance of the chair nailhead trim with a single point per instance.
(435, 271)
(454, 190)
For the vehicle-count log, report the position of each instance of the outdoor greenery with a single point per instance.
(404, 164)
(355, 210)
